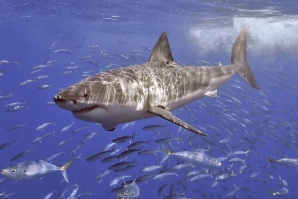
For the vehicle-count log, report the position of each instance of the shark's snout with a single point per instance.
(58, 99)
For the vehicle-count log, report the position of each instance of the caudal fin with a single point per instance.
(166, 155)
(271, 193)
(64, 168)
(239, 58)
(165, 150)
(270, 159)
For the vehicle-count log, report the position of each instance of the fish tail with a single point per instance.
(165, 150)
(167, 153)
(133, 136)
(180, 139)
(239, 59)
(271, 193)
(246, 152)
(270, 159)
(64, 168)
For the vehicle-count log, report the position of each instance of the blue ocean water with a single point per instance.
(97, 36)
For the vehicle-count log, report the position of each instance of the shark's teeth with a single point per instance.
(85, 110)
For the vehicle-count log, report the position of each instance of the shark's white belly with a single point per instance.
(111, 115)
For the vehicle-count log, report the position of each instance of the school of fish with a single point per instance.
(156, 155)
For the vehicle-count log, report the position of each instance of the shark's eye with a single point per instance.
(125, 195)
(24, 171)
(13, 171)
(85, 95)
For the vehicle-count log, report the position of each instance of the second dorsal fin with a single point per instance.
(161, 52)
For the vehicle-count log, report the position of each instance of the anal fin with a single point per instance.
(168, 116)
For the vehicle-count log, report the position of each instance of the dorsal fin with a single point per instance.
(161, 52)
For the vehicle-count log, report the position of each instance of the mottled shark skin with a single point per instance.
(151, 89)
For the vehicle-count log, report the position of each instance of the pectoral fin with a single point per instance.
(168, 116)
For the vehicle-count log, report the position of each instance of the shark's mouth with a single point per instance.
(84, 110)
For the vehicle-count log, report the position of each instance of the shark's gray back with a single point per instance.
(150, 83)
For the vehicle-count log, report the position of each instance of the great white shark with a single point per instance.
(153, 88)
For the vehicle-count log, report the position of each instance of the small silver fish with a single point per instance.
(291, 162)
(19, 155)
(3, 146)
(43, 137)
(98, 155)
(41, 127)
(33, 169)
(67, 127)
(27, 82)
(73, 193)
(153, 127)
(67, 72)
(36, 71)
(129, 191)
(122, 139)
(53, 44)
(79, 129)
(70, 67)
(129, 124)
(49, 159)
(281, 192)
(199, 177)
(151, 168)
(49, 195)
(15, 127)
(196, 157)
(41, 77)
(16, 108)
(9, 62)
(45, 86)
(15, 104)
(2, 97)
(62, 194)
(63, 142)
(116, 180)
(63, 50)
(254, 174)
(40, 66)
(163, 175)
(232, 193)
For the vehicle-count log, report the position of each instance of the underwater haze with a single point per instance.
(46, 46)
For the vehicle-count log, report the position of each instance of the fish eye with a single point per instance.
(13, 170)
(24, 171)
(125, 195)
